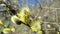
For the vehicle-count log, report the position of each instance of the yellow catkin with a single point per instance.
(6, 30)
(13, 29)
(1, 23)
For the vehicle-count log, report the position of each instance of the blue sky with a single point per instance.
(32, 2)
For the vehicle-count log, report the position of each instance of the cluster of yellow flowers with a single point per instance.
(24, 17)
(24, 14)
(36, 26)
